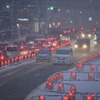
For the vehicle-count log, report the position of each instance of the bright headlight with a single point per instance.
(54, 44)
(83, 35)
(76, 46)
(84, 46)
(89, 35)
(95, 42)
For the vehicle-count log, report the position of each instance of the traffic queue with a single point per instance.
(43, 46)
(41, 50)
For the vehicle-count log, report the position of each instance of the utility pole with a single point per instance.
(39, 15)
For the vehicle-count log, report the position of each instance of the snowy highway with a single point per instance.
(18, 81)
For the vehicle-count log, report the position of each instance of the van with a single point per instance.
(44, 54)
(63, 55)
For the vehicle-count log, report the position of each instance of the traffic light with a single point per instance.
(51, 8)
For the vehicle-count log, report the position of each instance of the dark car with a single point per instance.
(44, 54)
(82, 45)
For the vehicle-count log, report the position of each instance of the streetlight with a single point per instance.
(18, 26)
(7, 6)
(11, 17)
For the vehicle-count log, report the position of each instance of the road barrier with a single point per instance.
(19, 59)
(69, 96)
(56, 83)
(16, 60)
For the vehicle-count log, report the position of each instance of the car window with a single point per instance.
(43, 52)
(62, 52)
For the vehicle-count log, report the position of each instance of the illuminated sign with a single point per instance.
(23, 19)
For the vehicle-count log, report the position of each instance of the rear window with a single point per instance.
(62, 52)
(43, 52)
(12, 49)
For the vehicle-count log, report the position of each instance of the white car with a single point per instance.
(63, 55)
(14, 51)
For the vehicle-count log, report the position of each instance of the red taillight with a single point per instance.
(49, 42)
(32, 46)
(44, 45)
(94, 29)
(64, 32)
(2, 57)
(22, 47)
(37, 49)
(73, 30)
(81, 28)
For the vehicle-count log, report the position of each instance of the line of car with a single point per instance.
(22, 48)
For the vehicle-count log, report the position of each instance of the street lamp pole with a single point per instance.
(39, 15)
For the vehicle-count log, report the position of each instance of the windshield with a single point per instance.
(62, 52)
(82, 41)
(43, 52)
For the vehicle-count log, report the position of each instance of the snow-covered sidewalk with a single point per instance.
(74, 84)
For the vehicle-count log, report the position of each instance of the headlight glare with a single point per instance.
(83, 35)
(84, 46)
(89, 35)
(76, 46)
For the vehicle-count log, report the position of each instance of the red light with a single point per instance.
(64, 32)
(89, 98)
(73, 87)
(61, 75)
(32, 98)
(49, 42)
(2, 57)
(79, 66)
(93, 67)
(81, 28)
(2, 63)
(22, 47)
(37, 49)
(92, 96)
(60, 87)
(94, 29)
(71, 93)
(54, 77)
(8, 61)
(91, 75)
(65, 98)
(44, 45)
(41, 98)
(49, 85)
(73, 75)
(73, 30)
